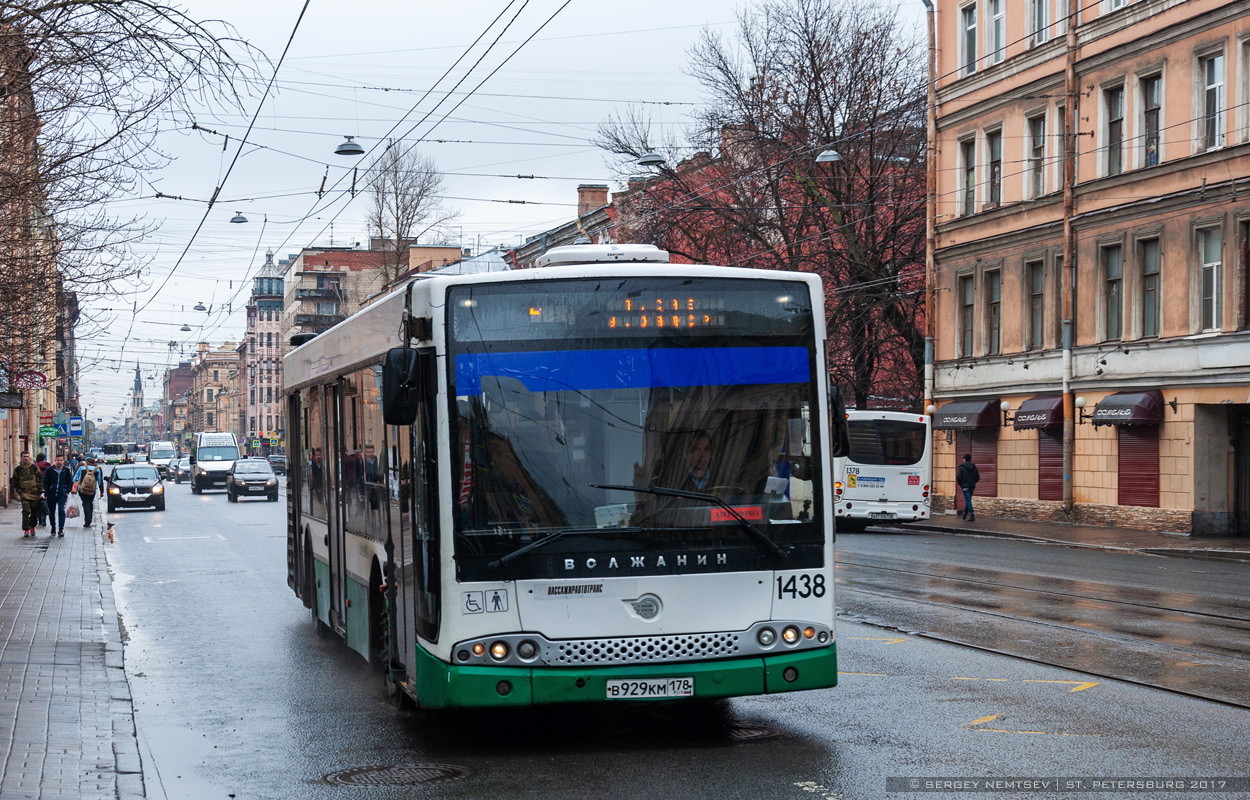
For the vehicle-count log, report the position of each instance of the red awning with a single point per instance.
(967, 415)
(1040, 412)
(1129, 408)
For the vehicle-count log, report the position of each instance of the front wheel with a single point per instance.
(112, 507)
(231, 496)
(160, 504)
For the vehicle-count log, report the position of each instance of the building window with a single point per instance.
(251, 397)
(268, 394)
(269, 423)
(209, 417)
(215, 375)
(1152, 100)
(1037, 21)
(993, 312)
(1210, 251)
(1037, 304)
(1114, 102)
(1211, 70)
(1112, 5)
(997, 31)
(1150, 258)
(208, 395)
(252, 427)
(968, 25)
(967, 297)
(1037, 155)
(1113, 290)
(994, 151)
(967, 153)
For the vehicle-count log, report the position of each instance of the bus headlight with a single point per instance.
(766, 637)
(499, 651)
(479, 649)
(790, 635)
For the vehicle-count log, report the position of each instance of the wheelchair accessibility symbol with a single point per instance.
(473, 603)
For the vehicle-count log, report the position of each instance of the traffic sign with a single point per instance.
(47, 431)
(62, 428)
(75, 426)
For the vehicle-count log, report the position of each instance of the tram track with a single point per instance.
(1078, 625)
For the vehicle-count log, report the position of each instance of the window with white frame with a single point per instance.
(968, 38)
(1036, 274)
(1113, 291)
(993, 312)
(1211, 83)
(967, 307)
(1037, 155)
(1150, 260)
(1113, 105)
(968, 172)
(1210, 258)
(1112, 5)
(1152, 108)
(1038, 21)
(996, 32)
(994, 160)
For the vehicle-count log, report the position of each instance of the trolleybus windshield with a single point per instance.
(572, 399)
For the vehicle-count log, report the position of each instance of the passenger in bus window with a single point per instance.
(698, 463)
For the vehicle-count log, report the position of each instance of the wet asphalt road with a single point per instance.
(235, 696)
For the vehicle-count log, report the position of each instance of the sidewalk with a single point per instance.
(1166, 544)
(67, 725)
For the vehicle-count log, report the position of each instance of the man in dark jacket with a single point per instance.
(42, 510)
(966, 476)
(57, 482)
(28, 483)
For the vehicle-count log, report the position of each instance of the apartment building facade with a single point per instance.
(260, 364)
(211, 372)
(1147, 324)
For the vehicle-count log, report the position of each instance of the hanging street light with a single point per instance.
(200, 307)
(651, 159)
(185, 328)
(349, 148)
(238, 218)
(828, 157)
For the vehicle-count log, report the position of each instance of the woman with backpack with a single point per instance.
(87, 482)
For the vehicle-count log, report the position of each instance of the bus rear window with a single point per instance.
(883, 441)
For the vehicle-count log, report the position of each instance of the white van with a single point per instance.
(160, 454)
(212, 455)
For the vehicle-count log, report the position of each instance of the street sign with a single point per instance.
(47, 431)
(30, 379)
(45, 417)
(75, 426)
(62, 428)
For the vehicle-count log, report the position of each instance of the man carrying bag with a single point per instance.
(57, 481)
(87, 483)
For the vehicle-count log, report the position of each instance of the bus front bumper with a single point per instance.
(442, 685)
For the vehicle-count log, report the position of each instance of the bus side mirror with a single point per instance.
(400, 380)
(838, 433)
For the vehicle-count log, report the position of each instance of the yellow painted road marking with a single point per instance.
(1004, 730)
(876, 639)
(1078, 685)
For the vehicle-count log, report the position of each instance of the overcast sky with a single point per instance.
(362, 69)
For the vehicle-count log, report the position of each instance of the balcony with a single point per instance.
(319, 322)
(317, 294)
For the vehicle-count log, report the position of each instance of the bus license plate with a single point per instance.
(881, 515)
(647, 688)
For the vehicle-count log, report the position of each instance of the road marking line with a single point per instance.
(150, 539)
(877, 639)
(877, 674)
(1004, 730)
(984, 719)
(1079, 685)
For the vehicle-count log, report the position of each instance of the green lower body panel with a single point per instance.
(357, 617)
(441, 685)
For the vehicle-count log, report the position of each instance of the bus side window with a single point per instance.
(424, 478)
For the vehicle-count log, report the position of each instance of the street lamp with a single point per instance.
(828, 157)
(349, 148)
(238, 218)
(651, 159)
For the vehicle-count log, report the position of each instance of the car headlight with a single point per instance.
(114, 490)
(157, 489)
(271, 482)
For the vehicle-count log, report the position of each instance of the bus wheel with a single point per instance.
(379, 622)
(399, 698)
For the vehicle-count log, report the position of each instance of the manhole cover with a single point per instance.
(750, 733)
(396, 775)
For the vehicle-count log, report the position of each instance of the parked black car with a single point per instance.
(251, 477)
(278, 462)
(135, 485)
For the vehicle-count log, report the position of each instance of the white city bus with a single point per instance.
(887, 473)
(598, 479)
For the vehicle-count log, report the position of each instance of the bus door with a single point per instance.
(334, 509)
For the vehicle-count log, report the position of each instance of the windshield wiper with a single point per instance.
(755, 532)
(551, 537)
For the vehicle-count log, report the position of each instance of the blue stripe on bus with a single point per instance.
(635, 369)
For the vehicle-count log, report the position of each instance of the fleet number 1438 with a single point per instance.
(800, 586)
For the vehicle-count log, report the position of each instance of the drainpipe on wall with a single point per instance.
(1069, 251)
(930, 216)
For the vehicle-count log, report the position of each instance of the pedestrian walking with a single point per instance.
(57, 481)
(28, 483)
(42, 511)
(966, 476)
(87, 483)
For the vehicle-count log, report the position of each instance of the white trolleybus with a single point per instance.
(600, 479)
(887, 473)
